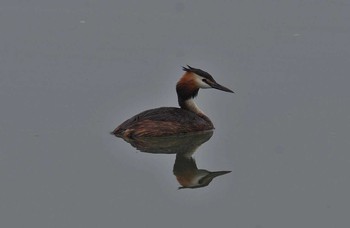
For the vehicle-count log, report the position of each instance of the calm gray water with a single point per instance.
(71, 71)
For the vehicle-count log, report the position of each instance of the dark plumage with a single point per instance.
(161, 122)
(198, 72)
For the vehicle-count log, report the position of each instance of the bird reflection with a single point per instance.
(189, 176)
(184, 146)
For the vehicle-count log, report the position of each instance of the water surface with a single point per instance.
(72, 71)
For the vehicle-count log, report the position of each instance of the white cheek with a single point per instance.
(200, 83)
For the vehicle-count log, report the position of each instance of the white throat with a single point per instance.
(191, 106)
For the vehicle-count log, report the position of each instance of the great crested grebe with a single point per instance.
(167, 121)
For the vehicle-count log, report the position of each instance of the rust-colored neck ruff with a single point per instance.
(186, 87)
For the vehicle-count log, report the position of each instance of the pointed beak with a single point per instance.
(218, 173)
(219, 87)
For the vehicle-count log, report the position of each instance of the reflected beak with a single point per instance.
(219, 87)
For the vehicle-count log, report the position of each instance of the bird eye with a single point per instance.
(204, 80)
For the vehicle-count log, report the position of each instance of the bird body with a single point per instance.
(170, 120)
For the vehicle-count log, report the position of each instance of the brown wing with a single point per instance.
(162, 121)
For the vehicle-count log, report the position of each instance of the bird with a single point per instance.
(165, 121)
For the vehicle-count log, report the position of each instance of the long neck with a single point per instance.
(186, 90)
(190, 105)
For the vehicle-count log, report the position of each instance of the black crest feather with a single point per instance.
(199, 72)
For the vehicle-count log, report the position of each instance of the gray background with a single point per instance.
(71, 71)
